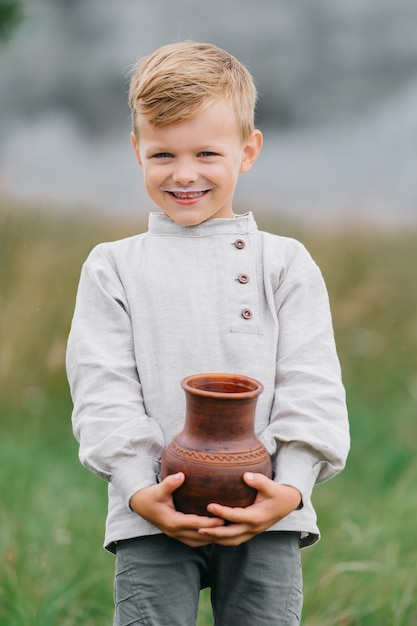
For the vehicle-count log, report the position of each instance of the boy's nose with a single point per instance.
(184, 173)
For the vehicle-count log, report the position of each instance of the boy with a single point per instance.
(203, 290)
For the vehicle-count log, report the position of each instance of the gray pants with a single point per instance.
(258, 583)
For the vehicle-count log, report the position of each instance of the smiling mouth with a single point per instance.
(188, 195)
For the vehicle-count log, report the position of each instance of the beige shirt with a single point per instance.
(171, 302)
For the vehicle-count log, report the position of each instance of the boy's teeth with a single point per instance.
(187, 195)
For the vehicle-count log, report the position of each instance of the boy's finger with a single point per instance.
(231, 514)
(172, 482)
(260, 482)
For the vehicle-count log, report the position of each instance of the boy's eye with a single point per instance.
(163, 155)
(207, 153)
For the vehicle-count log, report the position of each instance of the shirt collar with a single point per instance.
(159, 224)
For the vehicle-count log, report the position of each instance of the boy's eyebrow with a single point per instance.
(155, 149)
(213, 146)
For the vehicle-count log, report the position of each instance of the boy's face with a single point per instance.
(191, 168)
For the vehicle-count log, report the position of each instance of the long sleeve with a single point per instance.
(118, 441)
(156, 307)
(308, 433)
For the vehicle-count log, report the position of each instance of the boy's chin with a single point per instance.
(187, 221)
(187, 218)
(194, 218)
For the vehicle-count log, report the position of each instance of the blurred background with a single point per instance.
(338, 100)
(338, 107)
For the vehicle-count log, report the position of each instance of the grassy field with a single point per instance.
(53, 570)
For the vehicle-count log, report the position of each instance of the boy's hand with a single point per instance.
(155, 504)
(273, 502)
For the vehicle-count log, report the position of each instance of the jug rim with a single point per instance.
(222, 385)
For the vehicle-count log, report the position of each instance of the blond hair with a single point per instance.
(178, 81)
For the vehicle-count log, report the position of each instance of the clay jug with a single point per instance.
(217, 444)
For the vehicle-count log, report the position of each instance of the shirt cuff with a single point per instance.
(133, 476)
(297, 468)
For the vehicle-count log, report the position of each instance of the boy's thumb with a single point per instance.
(173, 481)
(257, 481)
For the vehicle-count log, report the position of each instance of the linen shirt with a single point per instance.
(221, 296)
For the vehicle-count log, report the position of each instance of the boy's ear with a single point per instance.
(135, 148)
(251, 150)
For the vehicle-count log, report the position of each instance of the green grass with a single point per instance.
(53, 571)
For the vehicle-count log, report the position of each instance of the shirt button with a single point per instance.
(243, 278)
(239, 244)
(246, 314)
